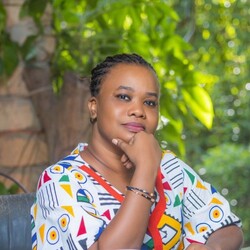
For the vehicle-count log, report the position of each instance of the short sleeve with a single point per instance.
(204, 209)
(65, 214)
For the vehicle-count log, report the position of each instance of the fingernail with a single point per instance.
(115, 141)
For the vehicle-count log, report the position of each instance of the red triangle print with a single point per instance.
(46, 177)
(107, 214)
(39, 183)
(162, 176)
(82, 228)
(166, 186)
(185, 189)
(193, 241)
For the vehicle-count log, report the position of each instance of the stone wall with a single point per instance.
(23, 151)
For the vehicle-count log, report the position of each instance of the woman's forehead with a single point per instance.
(132, 76)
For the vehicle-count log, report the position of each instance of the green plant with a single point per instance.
(11, 190)
(14, 188)
(227, 168)
(87, 31)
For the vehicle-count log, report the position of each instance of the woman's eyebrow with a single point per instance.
(125, 87)
(152, 94)
(155, 94)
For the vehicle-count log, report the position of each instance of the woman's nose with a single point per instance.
(137, 109)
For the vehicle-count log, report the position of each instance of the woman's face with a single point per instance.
(127, 103)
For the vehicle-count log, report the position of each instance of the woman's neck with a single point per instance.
(107, 156)
(108, 163)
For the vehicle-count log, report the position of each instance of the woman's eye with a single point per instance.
(151, 103)
(123, 97)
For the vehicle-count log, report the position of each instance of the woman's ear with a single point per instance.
(92, 105)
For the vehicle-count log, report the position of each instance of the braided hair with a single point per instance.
(102, 69)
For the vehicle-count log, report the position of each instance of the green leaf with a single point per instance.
(28, 49)
(10, 56)
(13, 189)
(34, 8)
(1, 67)
(2, 17)
(199, 102)
(172, 137)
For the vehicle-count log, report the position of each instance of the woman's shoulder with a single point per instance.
(168, 154)
(171, 166)
(174, 167)
(65, 167)
(170, 160)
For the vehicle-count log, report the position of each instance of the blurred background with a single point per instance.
(199, 48)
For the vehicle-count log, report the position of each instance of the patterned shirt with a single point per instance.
(74, 204)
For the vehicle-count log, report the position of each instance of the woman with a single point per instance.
(121, 191)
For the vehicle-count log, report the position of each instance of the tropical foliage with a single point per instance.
(218, 31)
(88, 31)
(227, 167)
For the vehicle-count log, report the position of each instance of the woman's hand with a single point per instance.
(126, 162)
(141, 150)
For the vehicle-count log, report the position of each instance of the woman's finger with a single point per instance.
(120, 143)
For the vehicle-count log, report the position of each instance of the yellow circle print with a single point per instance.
(63, 222)
(81, 178)
(52, 235)
(57, 169)
(216, 214)
(202, 227)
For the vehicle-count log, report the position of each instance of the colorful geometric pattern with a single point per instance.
(72, 208)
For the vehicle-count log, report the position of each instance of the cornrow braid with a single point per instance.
(100, 71)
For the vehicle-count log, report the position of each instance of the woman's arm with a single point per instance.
(127, 229)
(226, 238)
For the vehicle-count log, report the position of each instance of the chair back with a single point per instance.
(15, 221)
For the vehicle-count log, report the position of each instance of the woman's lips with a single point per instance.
(134, 127)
